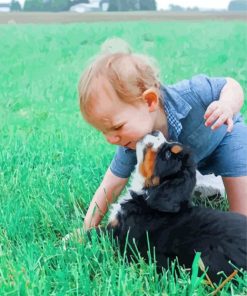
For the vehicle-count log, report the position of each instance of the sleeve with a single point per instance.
(207, 89)
(123, 162)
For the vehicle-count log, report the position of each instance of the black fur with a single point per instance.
(176, 228)
(177, 173)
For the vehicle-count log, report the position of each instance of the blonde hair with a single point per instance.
(129, 74)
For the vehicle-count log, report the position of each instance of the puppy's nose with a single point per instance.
(155, 133)
(154, 141)
(160, 138)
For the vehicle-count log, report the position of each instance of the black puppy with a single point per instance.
(159, 204)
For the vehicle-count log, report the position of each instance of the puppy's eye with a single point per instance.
(168, 154)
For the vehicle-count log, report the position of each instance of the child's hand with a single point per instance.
(217, 114)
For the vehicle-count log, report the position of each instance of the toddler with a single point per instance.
(121, 96)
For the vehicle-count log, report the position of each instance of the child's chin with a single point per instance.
(131, 146)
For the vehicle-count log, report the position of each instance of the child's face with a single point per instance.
(121, 123)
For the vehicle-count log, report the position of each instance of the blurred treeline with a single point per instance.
(50, 5)
(63, 5)
(113, 5)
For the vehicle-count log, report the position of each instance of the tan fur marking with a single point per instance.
(153, 181)
(114, 223)
(176, 149)
(147, 167)
(156, 181)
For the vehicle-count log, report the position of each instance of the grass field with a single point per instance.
(51, 161)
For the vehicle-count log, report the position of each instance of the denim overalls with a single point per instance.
(185, 103)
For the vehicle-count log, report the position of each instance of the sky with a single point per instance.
(164, 4)
(216, 4)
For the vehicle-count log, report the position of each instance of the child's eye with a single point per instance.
(118, 127)
(168, 154)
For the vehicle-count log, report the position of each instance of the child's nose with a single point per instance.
(113, 139)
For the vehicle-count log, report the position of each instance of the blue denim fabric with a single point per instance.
(229, 159)
(185, 104)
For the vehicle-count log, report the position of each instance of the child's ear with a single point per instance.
(151, 97)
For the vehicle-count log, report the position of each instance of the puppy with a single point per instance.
(158, 206)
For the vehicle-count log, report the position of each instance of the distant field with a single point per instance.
(71, 17)
(51, 161)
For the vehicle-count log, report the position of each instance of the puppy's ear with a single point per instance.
(176, 148)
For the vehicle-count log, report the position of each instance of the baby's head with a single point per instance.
(119, 94)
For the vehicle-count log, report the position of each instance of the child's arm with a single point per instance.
(109, 189)
(230, 102)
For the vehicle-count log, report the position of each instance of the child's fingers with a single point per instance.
(229, 122)
(213, 117)
(219, 122)
(216, 115)
(211, 108)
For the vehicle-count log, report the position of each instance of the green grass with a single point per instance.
(51, 162)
